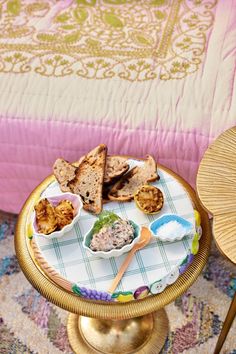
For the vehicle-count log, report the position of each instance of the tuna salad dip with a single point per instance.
(113, 236)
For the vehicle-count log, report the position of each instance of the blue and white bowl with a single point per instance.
(114, 252)
(171, 227)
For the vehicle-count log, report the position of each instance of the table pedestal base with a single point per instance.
(145, 334)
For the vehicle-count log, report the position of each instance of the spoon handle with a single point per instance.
(121, 271)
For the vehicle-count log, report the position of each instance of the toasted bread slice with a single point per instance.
(116, 166)
(64, 173)
(88, 182)
(77, 163)
(126, 187)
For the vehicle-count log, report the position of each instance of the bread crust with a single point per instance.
(137, 175)
(112, 195)
(88, 182)
(116, 167)
(111, 175)
(64, 173)
(82, 170)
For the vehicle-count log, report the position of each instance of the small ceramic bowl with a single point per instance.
(54, 200)
(114, 252)
(171, 227)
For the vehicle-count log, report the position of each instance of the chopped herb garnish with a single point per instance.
(105, 218)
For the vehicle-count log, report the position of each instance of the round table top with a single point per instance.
(216, 186)
(101, 309)
(66, 261)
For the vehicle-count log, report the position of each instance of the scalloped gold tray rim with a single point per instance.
(100, 309)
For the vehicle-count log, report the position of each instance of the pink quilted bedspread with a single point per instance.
(148, 77)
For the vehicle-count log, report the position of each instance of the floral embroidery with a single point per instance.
(129, 39)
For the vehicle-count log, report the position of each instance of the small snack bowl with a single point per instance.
(115, 252)
(171, 227)
(52, 202)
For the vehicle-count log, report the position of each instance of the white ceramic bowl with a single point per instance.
(54, 200)
(157, 228)
(114, 252)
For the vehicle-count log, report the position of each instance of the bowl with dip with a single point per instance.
(111, 236)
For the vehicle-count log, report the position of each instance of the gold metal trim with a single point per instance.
(226, 326)
(216, 180)
(99, 309)
(141, 335)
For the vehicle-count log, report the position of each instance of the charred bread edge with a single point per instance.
(116, 186)
(74, 165)
(116, 178)
(124, 177)
(112, 180)
(87, 206)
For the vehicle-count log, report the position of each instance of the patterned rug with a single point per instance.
(31, 324)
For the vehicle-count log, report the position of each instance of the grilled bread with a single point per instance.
(88, 181)
(64, 173)
(126, 187)
(116, 166)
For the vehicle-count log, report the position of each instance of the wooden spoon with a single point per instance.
(144, 240)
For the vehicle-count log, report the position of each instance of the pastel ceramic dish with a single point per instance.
(54, 200)
(114, 252)
(171, 227)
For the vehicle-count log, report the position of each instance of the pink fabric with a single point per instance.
(43, 118)
(29, 149)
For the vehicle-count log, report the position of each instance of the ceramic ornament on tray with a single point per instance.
(152, 268)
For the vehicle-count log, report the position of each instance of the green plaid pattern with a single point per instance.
(150, 264)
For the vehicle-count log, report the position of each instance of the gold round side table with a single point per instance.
(139, 326)
(216, 186)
